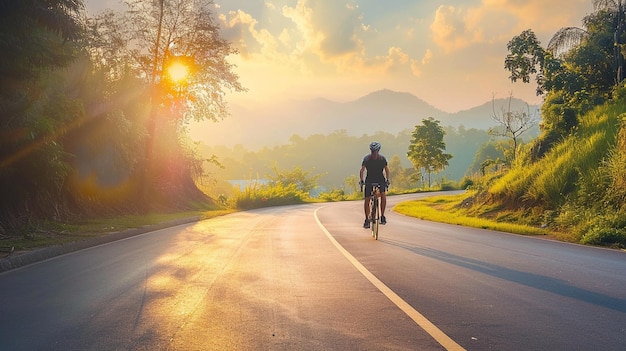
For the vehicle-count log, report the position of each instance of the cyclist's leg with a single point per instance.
(383, 205)
(366, 205)
(367, 191)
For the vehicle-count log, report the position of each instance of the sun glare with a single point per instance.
(177, 71)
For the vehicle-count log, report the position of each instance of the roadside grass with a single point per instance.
(58, 233)
(444, 208)
(449, 209)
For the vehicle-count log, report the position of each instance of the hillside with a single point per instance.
(577, 189)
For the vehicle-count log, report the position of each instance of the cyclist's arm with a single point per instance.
(386, 169)
(361, 173)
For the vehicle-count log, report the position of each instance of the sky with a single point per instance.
(448, 53)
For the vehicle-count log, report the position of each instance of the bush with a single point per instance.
(333, 195)
(447, 186)
(256, 196)
(614, 237)
(466, 183)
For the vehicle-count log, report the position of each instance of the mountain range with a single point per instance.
(383, 110)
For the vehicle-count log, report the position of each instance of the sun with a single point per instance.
(177, 71)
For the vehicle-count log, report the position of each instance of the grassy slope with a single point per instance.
(534, 198)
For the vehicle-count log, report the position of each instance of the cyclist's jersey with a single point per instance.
(374, 167)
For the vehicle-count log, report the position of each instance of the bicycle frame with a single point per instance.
(374, 215)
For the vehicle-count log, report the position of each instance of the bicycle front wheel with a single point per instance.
(374, 218)
(375, 229)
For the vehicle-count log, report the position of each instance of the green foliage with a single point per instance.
(606, 235)
(334, 195)
(574, 170)
(75, 106)
(558, 114)
(337, 156)
(145, 40)
(285, 187)
(577, 188)
(257, 196)
(463, 144)
(298, 177)
(525, 55)
(578, 70)
(466, 183)
(351, 184)
(490, 157)
(36, 36)
(34, 112)
(448, 186)
(400, 175)
(455, 210)
(593, 225)
(426, 150)
(615, 170)
(549, 181)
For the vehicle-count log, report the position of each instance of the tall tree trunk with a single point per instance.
(151, 128)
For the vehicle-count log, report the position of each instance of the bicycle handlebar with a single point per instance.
(374, 186)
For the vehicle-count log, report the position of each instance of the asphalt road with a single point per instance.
(310, 278)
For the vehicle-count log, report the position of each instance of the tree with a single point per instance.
(578, 70)
(525, 55)
(352, 183)
(489, 155)
(37, 37)
(427, 147)
(602, 34)
(146, 42)
(301, 179)
(512, 124)
(399, 175)
(155, 34)
(609, 15)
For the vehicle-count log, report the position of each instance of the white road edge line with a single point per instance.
(421, 321)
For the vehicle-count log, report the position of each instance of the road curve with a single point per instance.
(489, 290)
(282, 279)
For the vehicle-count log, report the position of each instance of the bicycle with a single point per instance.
(374, 215)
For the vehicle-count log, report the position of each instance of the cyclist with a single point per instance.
(375, 166)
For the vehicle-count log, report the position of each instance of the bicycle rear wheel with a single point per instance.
(374, 218)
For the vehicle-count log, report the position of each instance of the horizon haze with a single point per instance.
(379, 111)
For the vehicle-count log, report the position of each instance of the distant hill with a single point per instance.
(479, 117)
(382, 110)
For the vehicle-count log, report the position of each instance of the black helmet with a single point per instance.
(375, 146)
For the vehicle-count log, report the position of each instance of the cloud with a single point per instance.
(427, 57)
(326, 28)
(305, 45)
(266, 55)
(448, 28)
(269, 4)
(457, 28)
(235, 28)
(495, 21)
(306, 41)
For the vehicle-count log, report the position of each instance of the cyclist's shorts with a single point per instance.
(368, 189)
